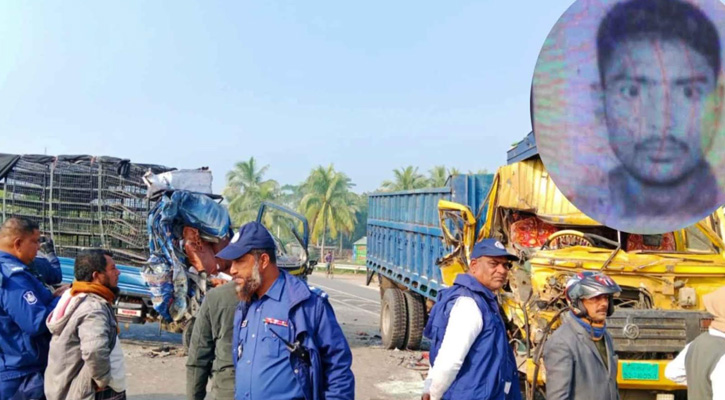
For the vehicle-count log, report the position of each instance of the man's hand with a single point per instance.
(217, 282)
(46, 245)
(59, 292)
(426, 396)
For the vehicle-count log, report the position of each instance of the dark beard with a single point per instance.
(115, 290)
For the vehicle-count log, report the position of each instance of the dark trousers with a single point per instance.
(110, 394)
(28, 387)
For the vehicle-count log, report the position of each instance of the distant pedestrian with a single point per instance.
(86, 360)
(579, 357)
(329, 258)
(287, 342)
(470, 353)
(24, 304)
(210, 347)
(701, 364)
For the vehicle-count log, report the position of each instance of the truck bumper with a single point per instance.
(631, 374)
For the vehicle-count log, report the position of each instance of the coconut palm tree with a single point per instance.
(291, 195)
(243, 207)
(247, 189)
(327, 203)
(437, 176)
(406, 178)
(246, 174)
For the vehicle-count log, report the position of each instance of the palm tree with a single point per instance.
(482, 171)
(291, 195)
(437, 176)
(246, 174)
(454, 171)
(406, 179)
(326, 203)
(247, 189)
(244, 206)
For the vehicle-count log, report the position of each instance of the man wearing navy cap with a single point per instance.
(470, 354)
(287, 343)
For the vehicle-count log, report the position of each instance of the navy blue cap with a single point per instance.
(251, 236)
(491, 248)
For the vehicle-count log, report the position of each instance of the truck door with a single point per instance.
(285, 226)
(459, 232)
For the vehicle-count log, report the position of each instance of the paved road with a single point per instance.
(354, 304)
(349, 290)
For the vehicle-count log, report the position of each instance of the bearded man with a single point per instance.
(86, 360)
(287, 343)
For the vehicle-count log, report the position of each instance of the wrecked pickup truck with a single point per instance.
(187, 228)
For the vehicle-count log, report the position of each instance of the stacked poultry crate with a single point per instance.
(81, 201)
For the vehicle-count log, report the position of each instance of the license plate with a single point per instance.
(132, 313)
(641, 371)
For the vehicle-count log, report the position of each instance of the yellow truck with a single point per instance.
(663, 277)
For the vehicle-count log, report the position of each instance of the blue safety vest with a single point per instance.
(490, 362)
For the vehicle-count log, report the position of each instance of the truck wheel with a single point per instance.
(416, 320)
(393, 319)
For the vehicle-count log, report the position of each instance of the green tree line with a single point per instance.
(337, 216)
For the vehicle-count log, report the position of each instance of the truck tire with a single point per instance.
(416, 320)
(393, 319)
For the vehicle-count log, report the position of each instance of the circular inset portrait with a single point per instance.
(628, 111)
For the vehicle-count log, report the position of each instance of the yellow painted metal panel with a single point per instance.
(527, 186)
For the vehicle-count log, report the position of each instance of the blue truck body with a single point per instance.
(129, 282)
(404, 235)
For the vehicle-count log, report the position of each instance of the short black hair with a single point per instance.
(270, 252)
(664, 19)
(89, 261)
(18, 226)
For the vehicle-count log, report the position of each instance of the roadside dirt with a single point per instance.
(156, 370)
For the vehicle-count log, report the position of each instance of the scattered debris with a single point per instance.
(166, 351)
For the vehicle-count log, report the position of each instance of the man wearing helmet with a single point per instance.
(579, 356)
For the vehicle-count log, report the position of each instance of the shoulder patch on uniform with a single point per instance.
(29, 297)
(318, 291)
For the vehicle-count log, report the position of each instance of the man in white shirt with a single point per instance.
(701, 365)
(470, 354)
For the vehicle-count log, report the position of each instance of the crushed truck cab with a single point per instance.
(417, 249)
(663, 277)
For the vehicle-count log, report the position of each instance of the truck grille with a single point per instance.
(654, 330)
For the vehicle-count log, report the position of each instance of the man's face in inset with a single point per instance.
(659, 98)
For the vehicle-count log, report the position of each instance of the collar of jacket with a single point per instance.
(585, 337)
(469, 282)
(9, 264)
(296, 290)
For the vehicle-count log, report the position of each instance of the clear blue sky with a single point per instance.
(368, 86)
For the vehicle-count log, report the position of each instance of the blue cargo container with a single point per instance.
(405, 241)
